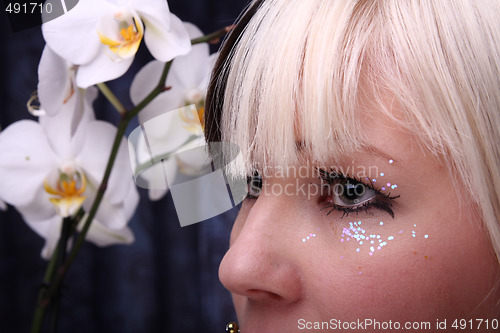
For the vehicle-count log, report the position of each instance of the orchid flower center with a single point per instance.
(194, 116)
(121, 32)
(66, 189)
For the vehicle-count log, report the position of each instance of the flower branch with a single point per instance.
(61, 272)
(59, 264)
(112, 98)
(213, 37)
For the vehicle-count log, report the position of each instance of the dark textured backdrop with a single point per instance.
(167, 280)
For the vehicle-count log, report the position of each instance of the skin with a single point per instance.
(276, 279)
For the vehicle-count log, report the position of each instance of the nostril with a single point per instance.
(260, 294)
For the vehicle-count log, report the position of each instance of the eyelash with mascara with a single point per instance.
(335, 179)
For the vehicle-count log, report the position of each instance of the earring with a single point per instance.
(232, 327)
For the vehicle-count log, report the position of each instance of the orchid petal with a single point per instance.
(145, 81)
(111, 215)
(79, 108)
(39, 208)
(94, 155)
(58, 128)
(210, 64)
(155, 176)
(131, 200)
(50, 230)
(27, 159)
(74, 35)
(165, 44)
(54, 82)
(102, 236)
(191, 69)
(155, 195)
(165, 133)
(168, 101)
(114, 216)
(103, 68)
(193, 157)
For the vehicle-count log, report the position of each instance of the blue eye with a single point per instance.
(349, 195)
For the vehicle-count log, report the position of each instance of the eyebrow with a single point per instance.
(378, 152)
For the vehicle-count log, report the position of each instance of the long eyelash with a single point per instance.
(380, 201)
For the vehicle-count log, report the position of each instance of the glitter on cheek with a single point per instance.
(312, 235)
(382, 174)
(391, 161)
(383, 188)
(389, 184)
(426, 236)
(354, 231)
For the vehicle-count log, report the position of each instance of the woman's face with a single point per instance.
(292, 266)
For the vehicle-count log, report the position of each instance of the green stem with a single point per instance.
(55, 262)
(165, 156)
(213, 37)
(112, 98)
(61, 256)
(40, 311)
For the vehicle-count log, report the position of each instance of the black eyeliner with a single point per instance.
(380, 201)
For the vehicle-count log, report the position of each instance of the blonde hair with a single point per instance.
(296, 71)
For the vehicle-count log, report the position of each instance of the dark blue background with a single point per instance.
(167, 280)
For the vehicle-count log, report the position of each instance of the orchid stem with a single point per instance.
(40, 311)
(56, 261)
(112, 98)
(61, 256)
(165, 156)
(214, 36)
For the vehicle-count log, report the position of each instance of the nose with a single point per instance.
(260, 263)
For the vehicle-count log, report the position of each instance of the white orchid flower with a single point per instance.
(47, 174)
(57, 88)
(188, 80)
(102, 36)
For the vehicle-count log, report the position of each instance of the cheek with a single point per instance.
(437, 266)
